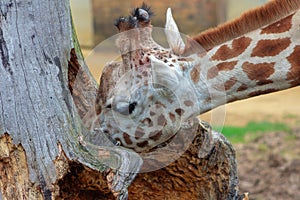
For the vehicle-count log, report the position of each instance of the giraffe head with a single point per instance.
(151, 96)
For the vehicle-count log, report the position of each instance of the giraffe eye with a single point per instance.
(108, 106)
(125, 108)
(131, 107)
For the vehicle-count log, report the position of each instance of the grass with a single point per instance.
(290, 137)
(237, 134)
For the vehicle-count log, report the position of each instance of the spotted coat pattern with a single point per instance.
(164, 89)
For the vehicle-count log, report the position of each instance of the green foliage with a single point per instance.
(237, 134)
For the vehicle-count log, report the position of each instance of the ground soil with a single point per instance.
(269, 165)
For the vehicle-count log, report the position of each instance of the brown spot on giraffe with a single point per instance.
(152, 113)
(227, 85)
(145, 73)
(294, 73)
(142, 144)
(159, 105)
(172, 117)
(212, 73)
(147, 61)
(183, 67)
(231, 82)
(179, 111)
(188, 103)
(270, 47)
(161, 120)
(224, 66)
(238, 46)
(98, 108)
(279, 27)
(259, 72)
(150, 98)
(243, 87)
(260, 92)
(182, 59)
(208, 99)
(141, 62)
(155, 135)
(127, 138)
(147, 121)
(265, 82)
(139, 133)
(195, 74)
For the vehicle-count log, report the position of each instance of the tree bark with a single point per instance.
(39, 123)
(45, 90)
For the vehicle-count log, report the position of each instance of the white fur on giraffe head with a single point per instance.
(173, 35)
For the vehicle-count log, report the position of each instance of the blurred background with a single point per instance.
(265, 130)
(94, 21)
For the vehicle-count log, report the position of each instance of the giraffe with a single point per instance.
(118, 113)
(162, 89)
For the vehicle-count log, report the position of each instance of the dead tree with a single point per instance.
(42, 155)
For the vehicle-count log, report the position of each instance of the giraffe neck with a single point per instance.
(262, 61)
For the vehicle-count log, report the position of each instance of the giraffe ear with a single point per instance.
(163, 75)
(173, 35)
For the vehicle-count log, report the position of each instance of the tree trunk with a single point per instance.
(45, 90)
(39, 123)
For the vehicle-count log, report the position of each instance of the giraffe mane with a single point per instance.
(249, 21)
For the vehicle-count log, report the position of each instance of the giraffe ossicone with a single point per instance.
(173, 35)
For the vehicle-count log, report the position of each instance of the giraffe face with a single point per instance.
(146, 108)
(152, 96)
